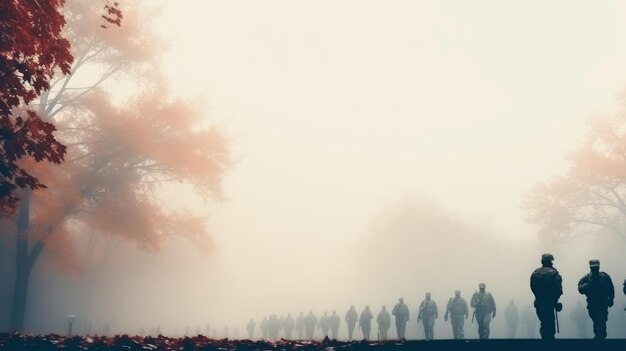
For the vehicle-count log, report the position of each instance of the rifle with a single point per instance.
(473, 315)
(556, 316)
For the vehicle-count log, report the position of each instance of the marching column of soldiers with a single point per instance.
(545, 284)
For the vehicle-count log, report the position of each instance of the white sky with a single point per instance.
(338, 108)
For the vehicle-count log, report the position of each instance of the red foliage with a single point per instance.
(32, 49)
(113, 15)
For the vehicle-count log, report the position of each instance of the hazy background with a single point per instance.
(384, 151)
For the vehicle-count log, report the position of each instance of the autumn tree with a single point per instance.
(32, 50)
(120, 152)
(590, 197)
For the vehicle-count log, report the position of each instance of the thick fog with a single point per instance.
(383, 151)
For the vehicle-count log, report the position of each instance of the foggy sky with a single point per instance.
(340, 110)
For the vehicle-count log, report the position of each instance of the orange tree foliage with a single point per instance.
(590, 198)
(121, 153)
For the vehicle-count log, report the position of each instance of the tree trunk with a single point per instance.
(20, 293)
(24, 262)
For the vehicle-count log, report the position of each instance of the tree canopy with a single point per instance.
(120, 150)
(32, 49)
(590, 197)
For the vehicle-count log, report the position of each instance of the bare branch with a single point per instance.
(607, 225)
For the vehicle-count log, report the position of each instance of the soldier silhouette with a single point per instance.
(484, 309)
(384, 323)
(288, 325)
(530, 322)
(273, 327)
(580, 317)
(512, 319)
(365, 322)
(458, 312)
(250, 328)
(624, 289)
(325, 324)
(600, 292)
(546, 285)
(428, 312)
(401, 312)
(310, 323)
(264, 328)
(106, 330)
(351, 318)
(300, 325)
(334, 324)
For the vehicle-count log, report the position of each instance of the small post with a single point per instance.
(70, 321)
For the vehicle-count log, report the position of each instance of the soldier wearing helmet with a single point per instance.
(484, 309)
(600, 292)
(351, 318)
(458, 312)
(427, 314)
(546, 285)
(365, 322)
(334, 324)
(384, 322)
(401, 312)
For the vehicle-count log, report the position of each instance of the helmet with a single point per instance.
(594, 263)
(481, 285)
(546, 257)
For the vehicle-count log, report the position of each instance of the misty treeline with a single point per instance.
(127, 137)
